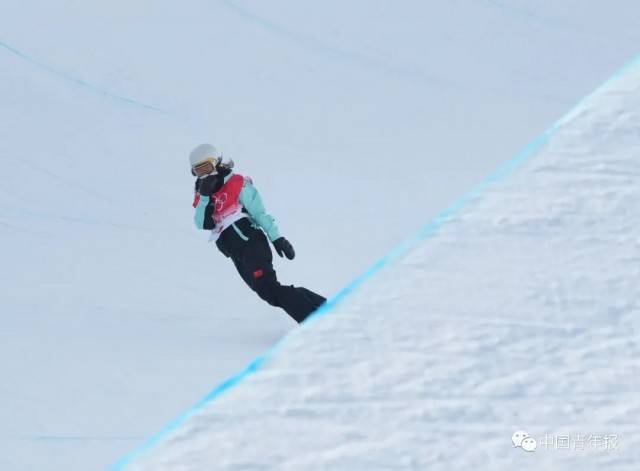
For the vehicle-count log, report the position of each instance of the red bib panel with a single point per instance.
(227, 198)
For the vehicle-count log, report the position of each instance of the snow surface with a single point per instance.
(114, 314)
(518, 309)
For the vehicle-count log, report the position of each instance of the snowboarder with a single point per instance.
(228, 205)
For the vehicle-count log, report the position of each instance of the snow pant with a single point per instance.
(254, 262)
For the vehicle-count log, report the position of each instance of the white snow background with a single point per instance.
(524, 316)
(357, 120)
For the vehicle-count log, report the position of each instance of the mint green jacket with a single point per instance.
(252, 203)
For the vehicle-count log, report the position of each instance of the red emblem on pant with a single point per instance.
(258, 273)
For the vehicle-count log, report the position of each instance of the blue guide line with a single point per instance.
(393, 256)
(77, 81)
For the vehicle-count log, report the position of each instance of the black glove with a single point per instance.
(283, 246)
(209, 185)
(212, 183)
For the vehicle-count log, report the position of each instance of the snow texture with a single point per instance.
(518, 310)
(115, 315)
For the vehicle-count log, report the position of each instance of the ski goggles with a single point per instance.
(206, 167)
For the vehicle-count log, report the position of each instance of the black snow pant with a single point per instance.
(254, 261)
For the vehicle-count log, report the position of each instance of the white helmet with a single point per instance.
(204, 152)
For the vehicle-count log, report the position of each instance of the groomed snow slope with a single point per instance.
(517, 310)
(115, 315)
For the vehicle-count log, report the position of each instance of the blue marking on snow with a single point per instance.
(77, 81)
(347, 56)
(393, 256)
